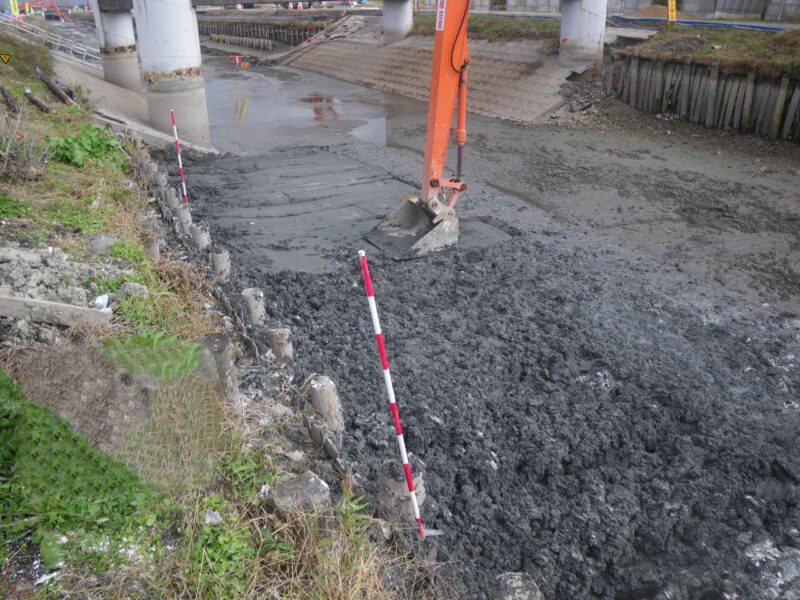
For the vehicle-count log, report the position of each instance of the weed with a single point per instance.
(105, 284)
(156, 354)
(20, 157)
(156, 312)
(91, 142)
(220, 555)
(352, 516)
(128, 250)
(246, 472)
(77, 214)
(14, 209)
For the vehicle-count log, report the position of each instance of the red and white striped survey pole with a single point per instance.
(387, 378)
(178, 150)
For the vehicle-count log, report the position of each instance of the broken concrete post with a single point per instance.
(393, 499)
(201, 236)
(221, 263)
(254, 303)
(322, 437)
(184, 219)
(217, 365)
(161, 180)
(280, 344)
(325, 401)
(152, 248)
(301, 493)
(171, 198)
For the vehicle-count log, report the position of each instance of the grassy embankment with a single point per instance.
(496, 28)
(736, 50)
(130, 523)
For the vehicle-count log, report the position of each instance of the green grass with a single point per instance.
(53, 482)
(24, 57)
(496, 28)
(14, 209)
(78, 215)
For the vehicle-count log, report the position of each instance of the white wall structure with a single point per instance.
(171, 67)
(398, 18)
(118, 43)
(583, 27)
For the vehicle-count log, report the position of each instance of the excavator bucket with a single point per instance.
(413, 230)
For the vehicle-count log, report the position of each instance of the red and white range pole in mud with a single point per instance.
(178, 150)
(387, 378)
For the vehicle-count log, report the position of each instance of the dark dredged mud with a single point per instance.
(600, 401)
(577, 423)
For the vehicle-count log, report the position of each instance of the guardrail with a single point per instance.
(56, 43)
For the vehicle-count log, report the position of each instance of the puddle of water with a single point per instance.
(252, 111)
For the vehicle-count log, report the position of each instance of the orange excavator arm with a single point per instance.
(419, 226)
(448, 84)
(48, 4)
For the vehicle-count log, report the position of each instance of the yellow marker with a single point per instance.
(14, 6)
(4, 58)
(672, 12)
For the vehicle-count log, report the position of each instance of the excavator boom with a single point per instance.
(428, 223)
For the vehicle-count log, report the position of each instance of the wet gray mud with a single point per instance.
(608, 401)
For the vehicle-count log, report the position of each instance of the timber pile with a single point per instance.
(706, 95)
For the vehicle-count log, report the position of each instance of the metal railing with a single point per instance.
(26, 32)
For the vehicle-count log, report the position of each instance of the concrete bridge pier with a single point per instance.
(169, 51)
(118, 43)
(583, 27)
(398, 18)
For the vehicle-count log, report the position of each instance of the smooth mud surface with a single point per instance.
(607, 401)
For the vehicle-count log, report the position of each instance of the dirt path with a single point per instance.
(607, 401)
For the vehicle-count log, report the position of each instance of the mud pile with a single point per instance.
(577, 423)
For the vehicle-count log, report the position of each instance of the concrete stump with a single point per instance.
(201, 237)
(281, 345)
(221, 263)
(184, 219)
(152, 247)
(393, 497)
(254, 303)
(217, 365)
(325, 401)
(171, 198)
(301, 493)
(161, 180)
(517, 586)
